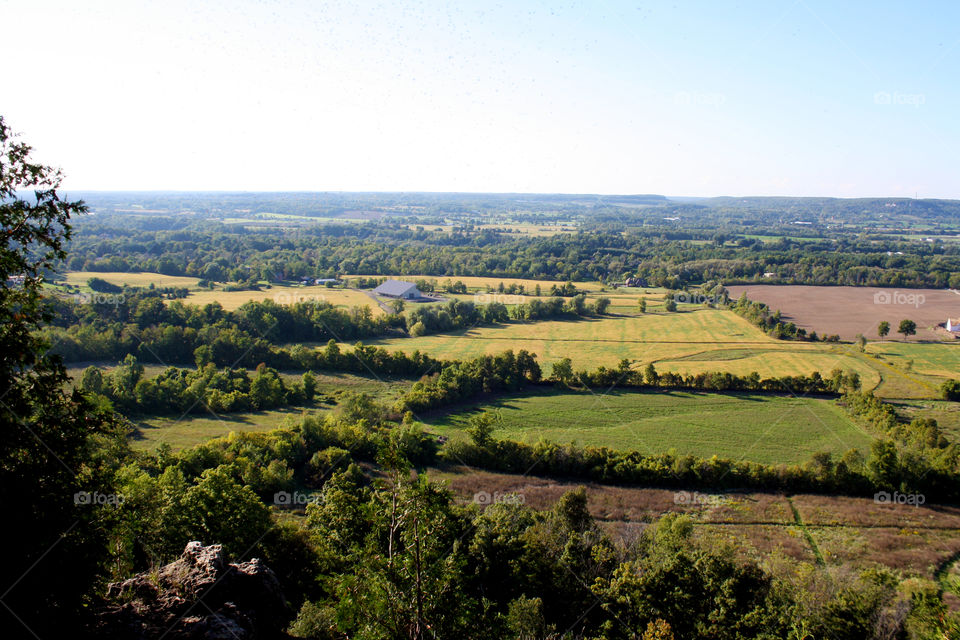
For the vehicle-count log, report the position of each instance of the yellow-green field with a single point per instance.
(134, 279)
(693, 341)
(180, 432)
(622, 300)
(230, 300)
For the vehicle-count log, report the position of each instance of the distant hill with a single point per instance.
(840, 208)
(751, 210)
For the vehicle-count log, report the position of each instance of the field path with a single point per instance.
(922, 383)
(806, 534)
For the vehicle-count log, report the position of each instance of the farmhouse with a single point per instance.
(398, 289)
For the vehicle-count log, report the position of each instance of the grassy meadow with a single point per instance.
(754, 427)
(185, 431)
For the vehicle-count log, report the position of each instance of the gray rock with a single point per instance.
(197, 596)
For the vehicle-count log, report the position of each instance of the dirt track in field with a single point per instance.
(847, 311)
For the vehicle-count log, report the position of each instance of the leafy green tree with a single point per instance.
(601, 305)
(150, 311)
(360, 406)
(861, 342)
(481, 429)
(418, 329)
(562, 371)
(409, 582)
(697, 593)
(577, 304)
(650, 375)
(907, 328)
(124, 378)
(267, 389)
(950, 390)
(220, 510)
(658, 629)
(49, 437)
(883, 329)
(642, 305)
(525, 618)
(309, 386)
(883, 464)
(91, 380)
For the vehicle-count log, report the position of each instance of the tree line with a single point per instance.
(222, 253)
(200, 390)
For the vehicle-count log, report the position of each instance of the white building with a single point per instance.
(953, 325)
(398, 289)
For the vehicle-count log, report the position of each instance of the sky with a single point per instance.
(795, 97)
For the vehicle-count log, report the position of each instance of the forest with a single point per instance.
(673, 255)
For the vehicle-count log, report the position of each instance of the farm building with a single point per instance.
(398, 289)
(953, 325)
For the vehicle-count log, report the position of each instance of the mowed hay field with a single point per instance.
(686, 342)
(755, 427)
(134, 279)
(231, 300)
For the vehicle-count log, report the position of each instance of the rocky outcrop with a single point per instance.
(198, 596)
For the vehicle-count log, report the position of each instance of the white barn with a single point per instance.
(953, 325)
(398, 289)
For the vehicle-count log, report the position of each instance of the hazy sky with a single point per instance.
(678, 98)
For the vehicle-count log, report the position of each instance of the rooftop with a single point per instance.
(394, 288)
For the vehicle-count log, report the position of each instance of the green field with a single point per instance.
(946, 413)
(695, 340)
(186, 431)
(687, 342)
(759, 428)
